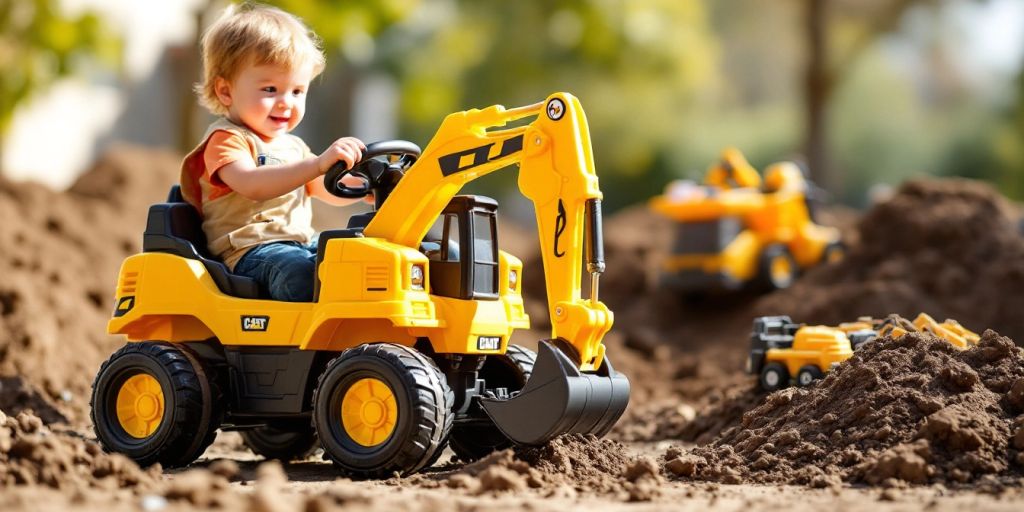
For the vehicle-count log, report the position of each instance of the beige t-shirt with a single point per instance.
(232, 223)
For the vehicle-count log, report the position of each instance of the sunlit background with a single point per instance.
(866, 93)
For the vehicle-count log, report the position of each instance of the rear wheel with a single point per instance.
(774, 376)
(834, 252)
(154, 402)
(380, 409)
(510, 370)
(280, 444)
(777, 269)
(808, 374)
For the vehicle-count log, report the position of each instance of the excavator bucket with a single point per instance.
(559, 399)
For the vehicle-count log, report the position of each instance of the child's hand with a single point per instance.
(345, 149)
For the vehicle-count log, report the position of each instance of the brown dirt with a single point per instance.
(914, 410)
(16, 396)
(61, 255)
(569, 466)
(31, 454)
(947, 247)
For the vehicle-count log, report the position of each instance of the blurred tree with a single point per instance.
(837, 32)
(990, 148)
(39, 45)
(639, 68)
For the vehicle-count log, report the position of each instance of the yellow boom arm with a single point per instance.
(556, 173)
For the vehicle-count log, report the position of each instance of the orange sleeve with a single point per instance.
(222, 148)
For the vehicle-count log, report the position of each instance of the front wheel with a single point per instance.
(280, 444)
(381, 409)
(510, 370)
(774, 376)
(154, 402)
(777, 268)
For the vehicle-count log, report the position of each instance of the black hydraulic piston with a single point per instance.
(594, 237)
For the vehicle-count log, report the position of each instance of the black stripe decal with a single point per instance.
(481, 155)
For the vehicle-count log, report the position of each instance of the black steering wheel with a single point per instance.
(370, 170)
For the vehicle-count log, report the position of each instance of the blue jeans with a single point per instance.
(283, 270)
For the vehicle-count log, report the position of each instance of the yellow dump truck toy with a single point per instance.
(405, 348)
(783, 352)
(737, 230)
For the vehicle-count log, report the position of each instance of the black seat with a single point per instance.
(175, 227)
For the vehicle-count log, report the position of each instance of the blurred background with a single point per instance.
(865, 92)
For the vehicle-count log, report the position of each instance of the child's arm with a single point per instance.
(270, 181)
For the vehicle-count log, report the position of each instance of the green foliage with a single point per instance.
(638, 67)
(989, 148)
(346, 26)
(38, 45)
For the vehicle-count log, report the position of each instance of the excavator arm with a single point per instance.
(573, 384)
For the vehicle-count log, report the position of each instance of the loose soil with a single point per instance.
(946, 247)
(913, 409)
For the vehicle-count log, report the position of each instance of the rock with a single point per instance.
(1015, 397)
(226, 468)
(901, 462)
(643, 468)
(497, 478)
(684, 465)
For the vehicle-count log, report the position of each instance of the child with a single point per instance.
(250, 179)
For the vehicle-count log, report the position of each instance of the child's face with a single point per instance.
(268, 99)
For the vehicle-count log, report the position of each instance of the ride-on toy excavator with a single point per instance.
(405, 348)
(737, 229)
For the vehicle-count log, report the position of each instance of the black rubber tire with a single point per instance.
(768, 279)
(192, 413)
(774, 376)
(833, 252)
(510, 370)
(424, 406)
(280, 444)
(808, 374)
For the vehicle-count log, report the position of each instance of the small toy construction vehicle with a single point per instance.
(782, 351)
(405, 349)
(737, 230)
(950, 330)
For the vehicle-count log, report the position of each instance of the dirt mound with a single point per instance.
(16, 396)
(943, 246)
(568, 466)
(913, 409)
(32, 454)
(60, 260)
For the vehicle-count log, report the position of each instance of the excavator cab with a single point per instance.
(467, 270)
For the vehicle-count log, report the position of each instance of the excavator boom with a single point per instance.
(573, 387)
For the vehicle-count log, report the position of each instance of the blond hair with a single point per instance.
(253, 34)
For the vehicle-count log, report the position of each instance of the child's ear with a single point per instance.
(223, 89)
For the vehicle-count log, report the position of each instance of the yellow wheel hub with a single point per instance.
(369, 412)
(140, 405)
(835, 255)
(781, 269)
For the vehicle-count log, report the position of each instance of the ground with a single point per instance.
(944, 433)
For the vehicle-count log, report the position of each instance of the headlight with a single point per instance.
(416, 277)
(513, 279)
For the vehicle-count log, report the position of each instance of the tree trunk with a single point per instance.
(817, 91)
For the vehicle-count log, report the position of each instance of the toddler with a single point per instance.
(249, 177)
